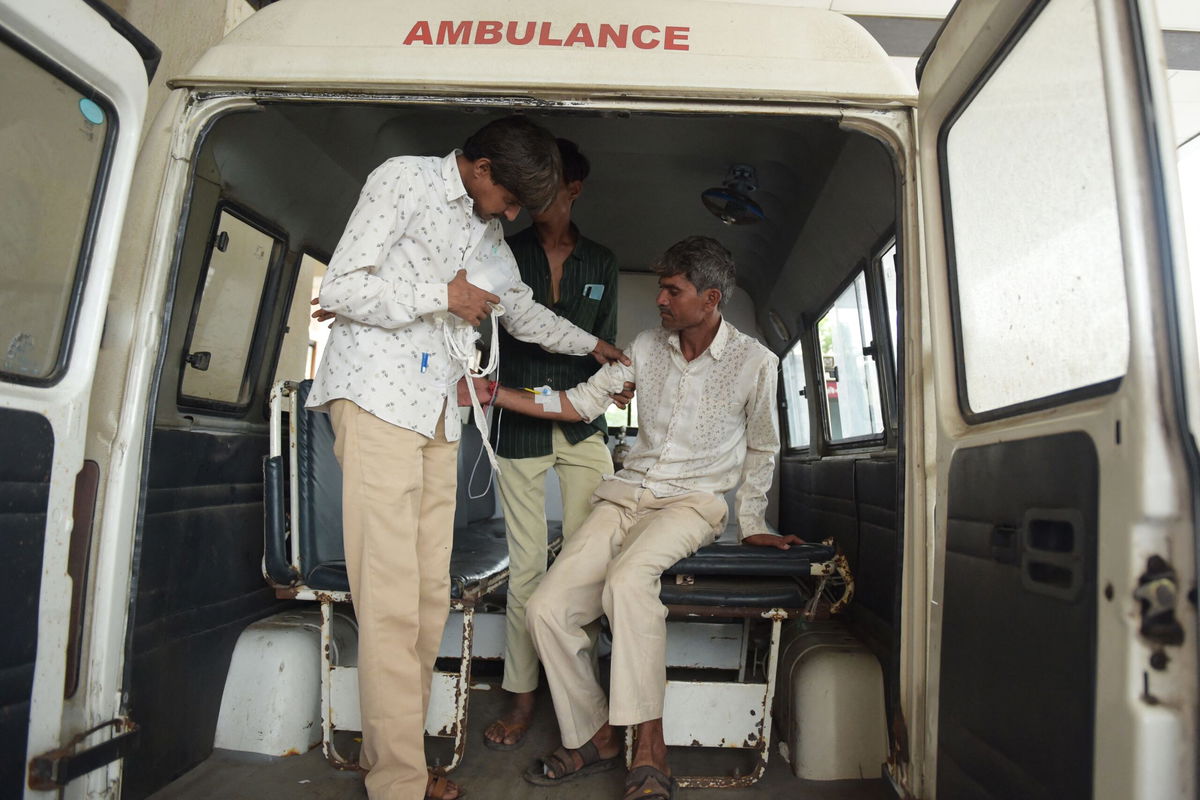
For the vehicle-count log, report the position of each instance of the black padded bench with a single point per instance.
(303, 557)
(725, 581)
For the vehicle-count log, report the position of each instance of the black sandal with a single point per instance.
(563, 766)
(648, 783)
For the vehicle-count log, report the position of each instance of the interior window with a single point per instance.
(795, 397)
(1032, 226)
(53, 143)
(627, 417)
(1189, 190)
(888, 271)
(240, 258)
(852, 405)
(304, 343)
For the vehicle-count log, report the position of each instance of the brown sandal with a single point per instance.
(518, 728)
(438, 787)
(563, 766)
(648, 783)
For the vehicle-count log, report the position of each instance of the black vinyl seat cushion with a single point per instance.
(729, 574)
(480, 550)
(735, 593)
(745, 560)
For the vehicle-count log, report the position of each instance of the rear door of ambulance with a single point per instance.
(1061, 657)
(73, 92)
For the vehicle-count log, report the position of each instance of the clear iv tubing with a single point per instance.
(460, 345)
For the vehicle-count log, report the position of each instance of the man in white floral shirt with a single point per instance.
(706, 419)
(399, 284)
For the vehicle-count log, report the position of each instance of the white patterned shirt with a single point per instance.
(702, 424)
(413, 228)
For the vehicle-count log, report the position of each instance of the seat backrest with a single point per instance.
(319, 480)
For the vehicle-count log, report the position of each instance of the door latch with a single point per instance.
(57, 768)
(1158, 593)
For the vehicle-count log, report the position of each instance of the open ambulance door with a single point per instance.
(73, 92)
(1059, 606)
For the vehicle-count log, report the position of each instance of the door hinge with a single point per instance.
(57, 768)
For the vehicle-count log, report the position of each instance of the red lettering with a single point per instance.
(614, 36)
(419, 33)
(449, 33)
(676, 38)
(544, 37)
(512, 37)
(580, 34)
(641, 42)
(489, 32)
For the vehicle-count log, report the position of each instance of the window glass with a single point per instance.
(888, 269)
(304, 343)
(1033, 221)
(795, 397)
(232, 292)
(851, 380)
(616, 417)
(52, 145)
(1189, 190)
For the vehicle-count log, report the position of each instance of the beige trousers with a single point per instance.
(613, 565)
(522, 483)
(398, 495)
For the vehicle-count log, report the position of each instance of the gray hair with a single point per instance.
(704, 262)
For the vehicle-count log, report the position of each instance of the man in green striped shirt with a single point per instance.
(577, 279)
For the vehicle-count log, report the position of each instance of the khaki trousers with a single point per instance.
(613, 565)
(398, 495)
(522, 483)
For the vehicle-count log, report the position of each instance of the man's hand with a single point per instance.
(467, 301)
(622, 398)
(771, 540)
(321, 315)
(483, 390)
(605, 353)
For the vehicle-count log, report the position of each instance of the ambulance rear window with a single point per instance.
(56, 135)
(1037, 273)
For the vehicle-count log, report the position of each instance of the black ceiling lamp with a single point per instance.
(731, 202)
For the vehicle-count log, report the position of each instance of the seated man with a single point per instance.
(707, 417)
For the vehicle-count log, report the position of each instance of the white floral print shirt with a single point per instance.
(702, 424)
(413, 228)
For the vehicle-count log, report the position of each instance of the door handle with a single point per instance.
(1052, 548)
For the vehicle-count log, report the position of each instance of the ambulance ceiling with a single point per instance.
(559, 49)
(828, 195)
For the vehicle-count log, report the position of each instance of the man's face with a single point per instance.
(680, 305)
(492, 201)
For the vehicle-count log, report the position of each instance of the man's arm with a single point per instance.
(530, 321)
(586, 401)
(351, 288)
(762, 442)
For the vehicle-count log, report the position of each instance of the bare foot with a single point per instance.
(650, 749)
(508, 731)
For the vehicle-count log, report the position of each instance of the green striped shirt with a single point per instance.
(587, 297)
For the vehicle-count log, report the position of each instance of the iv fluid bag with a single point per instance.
(495, 274)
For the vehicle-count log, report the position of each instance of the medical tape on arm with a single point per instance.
(548, 399)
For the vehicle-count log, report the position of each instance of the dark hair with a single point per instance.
(524, 159)
(703, 261)
(575, 166)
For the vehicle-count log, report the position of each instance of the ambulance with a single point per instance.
(976, 282)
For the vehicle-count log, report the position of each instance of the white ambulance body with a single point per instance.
(978, 290)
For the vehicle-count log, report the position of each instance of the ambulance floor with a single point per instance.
(486, 774)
